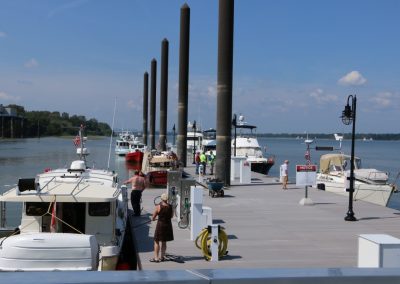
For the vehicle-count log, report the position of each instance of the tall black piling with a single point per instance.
(183, 84)
(224, 90)
(145, 105)
(163, 95)
(153, 83)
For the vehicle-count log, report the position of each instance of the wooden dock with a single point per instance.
(268, 228)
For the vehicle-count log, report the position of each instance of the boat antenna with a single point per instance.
(111, 137)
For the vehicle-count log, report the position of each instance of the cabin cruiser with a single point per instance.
(136, 151)
(370, 185)
(123, 142)
(73, 218)
(245, 144)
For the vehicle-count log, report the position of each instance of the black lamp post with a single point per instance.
(194, 141)
(173, 130)
(348, 117)
(234, 124)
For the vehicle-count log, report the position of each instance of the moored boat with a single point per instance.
(122, 144)
(136, 152)
(245, 144)
(370, 185)
(156, 166)
(73, 218)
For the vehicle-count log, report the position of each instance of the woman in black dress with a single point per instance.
(163, 231)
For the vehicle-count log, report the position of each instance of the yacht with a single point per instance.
(73, 218)
(123, 142)
(245, 144)
(370, 185)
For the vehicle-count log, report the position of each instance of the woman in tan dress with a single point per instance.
(163, 231)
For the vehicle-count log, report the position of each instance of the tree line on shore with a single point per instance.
(46, 123)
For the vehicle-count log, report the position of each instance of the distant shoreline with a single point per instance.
(346, 136)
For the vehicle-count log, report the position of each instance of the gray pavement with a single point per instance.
(268, 228)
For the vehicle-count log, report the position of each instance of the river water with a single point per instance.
(24, 158)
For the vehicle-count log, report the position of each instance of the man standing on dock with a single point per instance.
(284, 174)
(138, 182)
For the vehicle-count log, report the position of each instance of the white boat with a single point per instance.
(209, 141)
(245, 144)
(73, 218)
(370, 185)
(122, 144)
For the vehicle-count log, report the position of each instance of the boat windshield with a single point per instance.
(346, 164)
(210, 134)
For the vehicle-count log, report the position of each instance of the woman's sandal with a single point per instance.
(154, 260)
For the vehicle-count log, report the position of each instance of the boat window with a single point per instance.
(99, 209)
(36, 208)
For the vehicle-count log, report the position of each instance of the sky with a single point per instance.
(294, 63)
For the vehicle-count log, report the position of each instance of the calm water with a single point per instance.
(27, 157)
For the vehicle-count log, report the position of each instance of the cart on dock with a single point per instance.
(215, 188)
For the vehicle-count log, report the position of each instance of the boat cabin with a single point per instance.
(79, 201)
(337, 163)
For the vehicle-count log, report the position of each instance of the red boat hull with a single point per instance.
(157, 178)
(134, 157)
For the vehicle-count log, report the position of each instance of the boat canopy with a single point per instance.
(61, 190)
(331, 162)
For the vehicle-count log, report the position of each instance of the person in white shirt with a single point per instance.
(284, 174)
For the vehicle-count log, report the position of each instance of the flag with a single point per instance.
(307, 155)
(53, 223)
(77, 141)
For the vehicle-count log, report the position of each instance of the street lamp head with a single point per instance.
(194, 125)
(347, 115)
(234, 120)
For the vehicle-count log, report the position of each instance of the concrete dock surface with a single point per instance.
(268, 228)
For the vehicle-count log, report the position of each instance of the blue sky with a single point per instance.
(295, 62)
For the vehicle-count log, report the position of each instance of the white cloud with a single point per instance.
(7, 97)
(2, 34)
(65, 7)
(133, 105)
(353, 78)
(322, 98)
(385, 100)
(31, 63)
(211, 92)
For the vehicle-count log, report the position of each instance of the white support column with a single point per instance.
(196, 204)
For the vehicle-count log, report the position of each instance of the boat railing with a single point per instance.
(77, 185)
(46, 185)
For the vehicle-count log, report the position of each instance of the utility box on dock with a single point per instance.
(245, 172)
(235, 166)
(378, 250)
